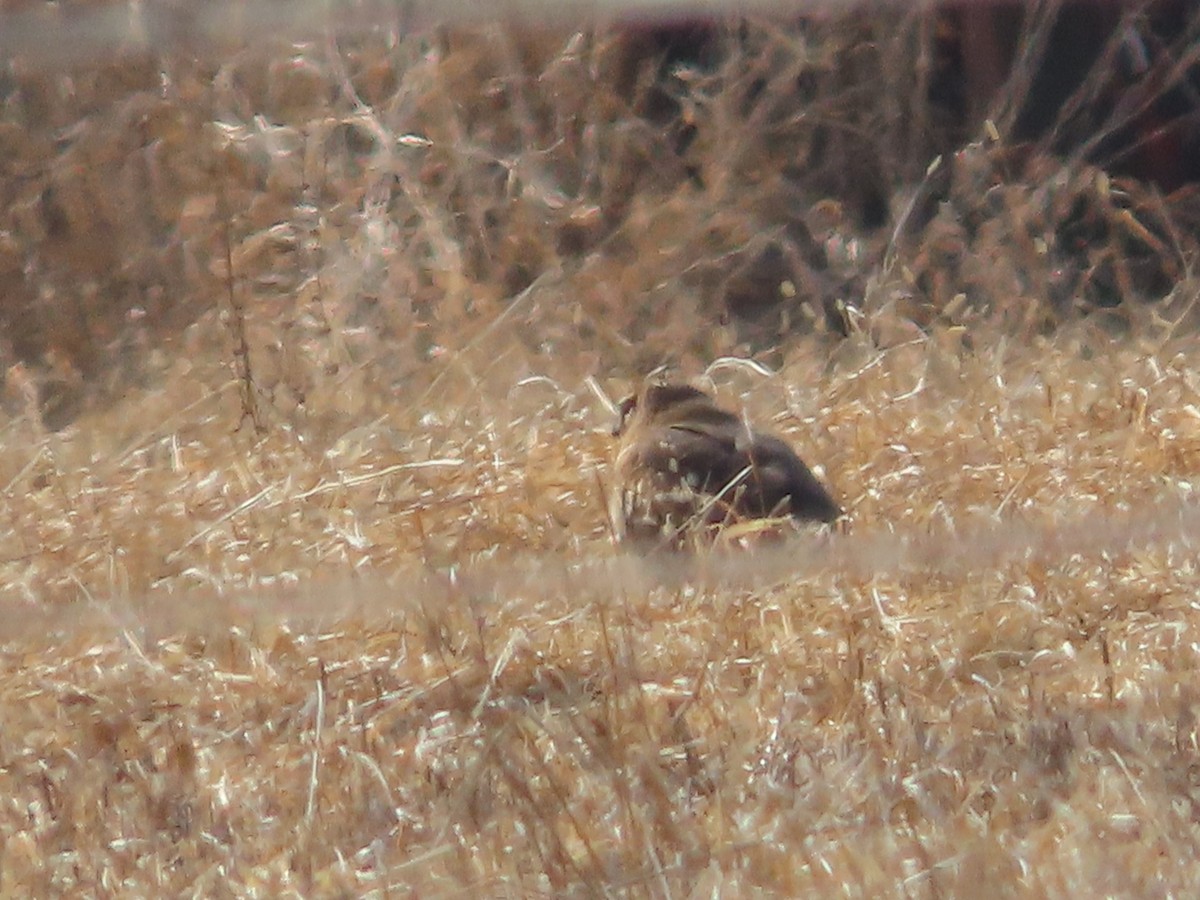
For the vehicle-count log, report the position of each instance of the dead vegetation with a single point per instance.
(307, 574)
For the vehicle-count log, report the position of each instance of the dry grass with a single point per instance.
(386, 646)
(239, 665)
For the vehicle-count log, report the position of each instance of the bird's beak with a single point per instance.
(627, 406)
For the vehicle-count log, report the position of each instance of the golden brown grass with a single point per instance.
(404, 662)
(319, 597)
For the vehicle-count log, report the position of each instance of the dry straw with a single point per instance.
(384, 645)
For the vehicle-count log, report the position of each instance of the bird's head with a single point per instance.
(656, 400)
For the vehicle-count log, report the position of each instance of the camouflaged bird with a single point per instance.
(687, 467)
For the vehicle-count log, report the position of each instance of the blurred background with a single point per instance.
(329, 198)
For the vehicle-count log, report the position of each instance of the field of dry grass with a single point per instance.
(309, 589)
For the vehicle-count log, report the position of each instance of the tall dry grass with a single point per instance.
(310, 588)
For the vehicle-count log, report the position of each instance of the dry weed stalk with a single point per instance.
(235, 320)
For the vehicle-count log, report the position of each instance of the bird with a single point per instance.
(687, 467)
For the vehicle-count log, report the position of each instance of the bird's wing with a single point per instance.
(705, 454)
(711, 427)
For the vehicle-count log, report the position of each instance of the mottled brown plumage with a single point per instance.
(685, 466)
